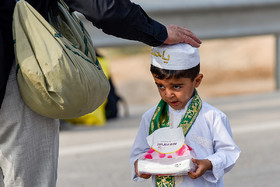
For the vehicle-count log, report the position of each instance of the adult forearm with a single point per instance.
(121, 18)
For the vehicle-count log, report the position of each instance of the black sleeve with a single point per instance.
(121, 18)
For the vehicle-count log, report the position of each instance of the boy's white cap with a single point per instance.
(180, 56)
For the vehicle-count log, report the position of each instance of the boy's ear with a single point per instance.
(198, 80)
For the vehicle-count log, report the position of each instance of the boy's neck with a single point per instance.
(182, 109)
(188, 103)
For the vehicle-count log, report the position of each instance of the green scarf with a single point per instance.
(160, 119)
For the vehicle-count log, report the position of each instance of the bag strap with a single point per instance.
(64, 5)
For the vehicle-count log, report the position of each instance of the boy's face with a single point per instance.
(177, 92)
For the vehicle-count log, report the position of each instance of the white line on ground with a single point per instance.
(127, 143)
(256, 127)
(89, 148)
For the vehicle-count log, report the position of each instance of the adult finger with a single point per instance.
(189, 33)
(178, 34)
(192, 36)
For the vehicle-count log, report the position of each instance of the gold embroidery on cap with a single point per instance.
(164, 57)
(165, 60)
(157, 55)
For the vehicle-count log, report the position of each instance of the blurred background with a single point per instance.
(240, 63)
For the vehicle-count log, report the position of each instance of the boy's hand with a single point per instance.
(145, 176)
(202, 166)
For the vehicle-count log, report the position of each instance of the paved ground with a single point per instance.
(98, 156)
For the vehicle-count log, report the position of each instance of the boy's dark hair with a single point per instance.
(167, 74)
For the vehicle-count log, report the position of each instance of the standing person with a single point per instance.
(28, 141)
(175, 69)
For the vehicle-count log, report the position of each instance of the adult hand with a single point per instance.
(202, 166)
(177, 34)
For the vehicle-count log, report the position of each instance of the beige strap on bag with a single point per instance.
(58, 77)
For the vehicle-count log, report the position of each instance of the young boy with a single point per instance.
(175, 69)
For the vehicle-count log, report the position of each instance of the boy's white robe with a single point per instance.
(210, 137)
